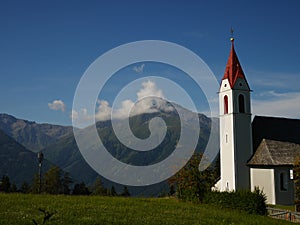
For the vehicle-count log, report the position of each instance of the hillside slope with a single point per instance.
(32, 135)
(18, 163)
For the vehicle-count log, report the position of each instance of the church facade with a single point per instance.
(249, 157)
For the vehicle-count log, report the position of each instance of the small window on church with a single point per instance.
(241, 104)
(283, 181)
(227, 186)
(225, 104)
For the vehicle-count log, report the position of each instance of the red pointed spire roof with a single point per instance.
(233, 68)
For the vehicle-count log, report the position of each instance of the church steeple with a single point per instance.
(233, 69)
(235, 126)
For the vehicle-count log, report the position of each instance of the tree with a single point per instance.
(5, 185)
(66, 182)
(172, 190)
(81, 189)
(13, 188)
(97, 188)
(113, 191)
(190, 183)
(25, 188)
(125, 192)
(52, 181)
(35, 186)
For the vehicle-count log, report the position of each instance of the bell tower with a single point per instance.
(235, 126)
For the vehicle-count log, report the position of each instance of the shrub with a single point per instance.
(251, 202)
(190, 183)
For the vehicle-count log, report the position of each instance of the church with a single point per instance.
(259, 153)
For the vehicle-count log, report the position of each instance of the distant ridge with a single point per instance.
(17, 162)
(32, 135)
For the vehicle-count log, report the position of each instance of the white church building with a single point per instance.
(254, 154)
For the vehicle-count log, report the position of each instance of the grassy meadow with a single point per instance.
(22, 209)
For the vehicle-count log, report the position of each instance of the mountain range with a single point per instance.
(24, 138)
(17, 162)
(30, 134)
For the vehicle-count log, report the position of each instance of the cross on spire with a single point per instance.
(231, 34)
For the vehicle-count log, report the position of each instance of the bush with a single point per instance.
(190, 183)
(251, 202)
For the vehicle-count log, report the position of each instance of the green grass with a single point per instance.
(21, 209)
(285, 207)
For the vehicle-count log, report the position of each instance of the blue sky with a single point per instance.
(46, 46)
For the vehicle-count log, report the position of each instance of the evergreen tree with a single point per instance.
(25, 188)
(5, 185)
(97, 188)
(35, 186)
(81, 189)
(66, 182)
(113, 191)
(52, 181)
(125, 192)
(172, 190)
(13, 188)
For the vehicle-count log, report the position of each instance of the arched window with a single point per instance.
(283, 181)
(241, 104)
(225, 104)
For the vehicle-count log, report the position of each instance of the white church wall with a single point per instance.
(235, 137)
(264, 179)
(227, 155)
(227, 182)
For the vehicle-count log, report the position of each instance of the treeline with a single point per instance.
(55, 181)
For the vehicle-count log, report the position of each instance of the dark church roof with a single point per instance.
(276, 141)
(275, 153)
(274, 128)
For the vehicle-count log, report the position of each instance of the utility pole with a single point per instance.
(40, 158)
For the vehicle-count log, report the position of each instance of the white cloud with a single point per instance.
(81, 117)
(103, 110)
(57, 105)
(149, 99)
(275, 94)
(149, 89)
(74, 115)
(279, 105)
(139, 69)
(270, 79)
(272, 93)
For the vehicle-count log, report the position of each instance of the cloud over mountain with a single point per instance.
(278, 104)
(149, 99)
